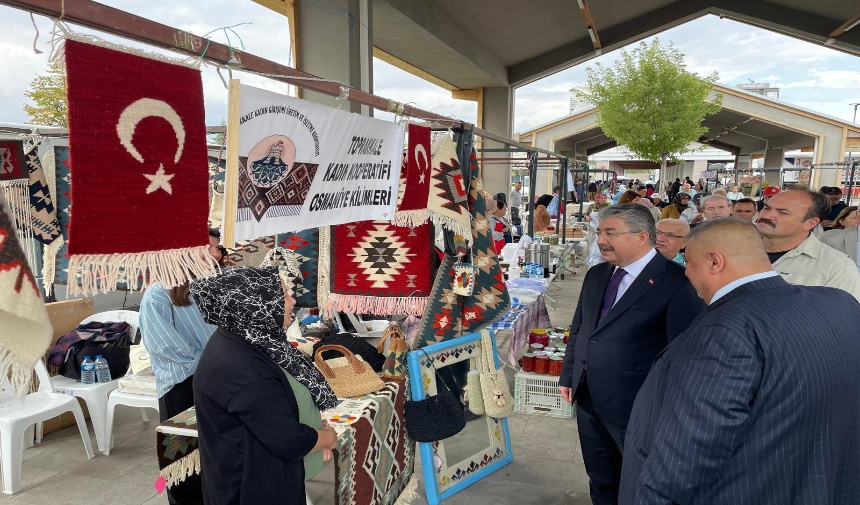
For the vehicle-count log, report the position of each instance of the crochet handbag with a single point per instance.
(498, 402)
(474, 394)
(356, 345)
(354, 379)
(395, 356)
(435, 417)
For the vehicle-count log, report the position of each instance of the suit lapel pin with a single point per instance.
(651, 281)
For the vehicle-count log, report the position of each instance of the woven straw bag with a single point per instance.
(474, 393)
(355, 379)
(395, 357)
(498, 401)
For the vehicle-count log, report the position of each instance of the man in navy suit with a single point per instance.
(629, 309)
(758, 402)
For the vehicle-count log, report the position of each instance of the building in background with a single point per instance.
(760, 88)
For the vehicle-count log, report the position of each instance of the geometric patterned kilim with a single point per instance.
(307, 248)
(379, 268)
(64, 201)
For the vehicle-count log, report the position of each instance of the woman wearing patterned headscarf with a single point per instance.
(679, 205)
(252, 443)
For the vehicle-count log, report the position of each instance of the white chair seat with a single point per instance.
(35, 408)
(96, 398)
(130, 400)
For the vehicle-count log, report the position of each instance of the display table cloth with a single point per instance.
(374, 459)
(520, 320)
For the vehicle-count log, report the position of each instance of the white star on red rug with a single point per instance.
(160, 180)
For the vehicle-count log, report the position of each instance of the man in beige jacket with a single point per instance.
(786, 224)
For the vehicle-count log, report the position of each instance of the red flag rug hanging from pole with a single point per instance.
(139, 169)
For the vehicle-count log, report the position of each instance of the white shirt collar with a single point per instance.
(634, 269)
(723, 291)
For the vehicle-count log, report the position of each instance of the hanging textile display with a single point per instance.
(414, 189)
(295, 165)
(379, 268)
(139, 175)
(11, 160)
(448, 200)
(249, 253)
(306, 246)
(63, 201)
(17, 195)
(43, 214)
(489, 299)
(26, 329)
(444, 310)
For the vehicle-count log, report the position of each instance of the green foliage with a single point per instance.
(650, 102)
(48, 93)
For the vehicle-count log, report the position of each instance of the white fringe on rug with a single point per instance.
(324, 270)
(410, 492)
(411, 218)
(102, 272)
(180, 470)
(377, 305)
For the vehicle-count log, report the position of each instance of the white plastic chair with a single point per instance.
(35, 408)
(96, 395)
(118, 397)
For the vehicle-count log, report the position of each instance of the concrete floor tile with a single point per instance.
(70, 489)
(493, 491)
(30, 478)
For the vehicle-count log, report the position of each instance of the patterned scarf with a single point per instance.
(249, 302)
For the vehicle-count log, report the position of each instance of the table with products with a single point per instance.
(522, 317)
(374, 459)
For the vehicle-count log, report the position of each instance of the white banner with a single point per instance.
(302, 165)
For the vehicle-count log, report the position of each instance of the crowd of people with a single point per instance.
(714, 356)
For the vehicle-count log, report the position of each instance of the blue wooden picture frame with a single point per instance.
(440, 480)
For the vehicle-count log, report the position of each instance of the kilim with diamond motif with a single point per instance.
(283, 198)
(414, 189)
(448, 200)
(64, 201)
(379, 268)
(306, 245)
(249, 253)
(444, 309)
(43, 215)
(11, 160)
(489, 299)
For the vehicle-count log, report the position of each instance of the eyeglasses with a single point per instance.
(614, 233)
(669, 235)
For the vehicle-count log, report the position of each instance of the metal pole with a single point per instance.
(853, 166)
(532, 198)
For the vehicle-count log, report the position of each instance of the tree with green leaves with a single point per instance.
(48, 93)
(649, 102)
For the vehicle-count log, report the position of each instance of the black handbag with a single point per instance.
(117, 353)
(435, 417)
(357, 345)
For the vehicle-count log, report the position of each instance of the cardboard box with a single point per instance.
(65, 316)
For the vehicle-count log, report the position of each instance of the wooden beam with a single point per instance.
(844, 27)
(117, 22)
(589, 24)
(466, 94)
(852, 143)
(406, 67)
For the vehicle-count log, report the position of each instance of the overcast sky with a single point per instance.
(810, 76)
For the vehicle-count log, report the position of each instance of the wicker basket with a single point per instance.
(355, 379)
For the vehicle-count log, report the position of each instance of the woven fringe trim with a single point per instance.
(410, 492)
(324, 270)
(180, 470)
(172, 268)
(452, 224)
(411, 218)
(377, 305)
(59, 52)
(20, 375)
(49, 263)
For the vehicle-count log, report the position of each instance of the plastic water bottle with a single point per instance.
(102, 370)
(88, 371)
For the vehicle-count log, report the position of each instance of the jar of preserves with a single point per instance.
(528, 362)
(555, 365)
(542, 364)
(539, 336)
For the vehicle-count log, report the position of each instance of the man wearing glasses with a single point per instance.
(629, 309)
(671, 239)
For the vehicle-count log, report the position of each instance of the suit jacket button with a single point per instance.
(592, 340)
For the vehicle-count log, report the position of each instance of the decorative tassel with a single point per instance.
(356, 304)
(102, 272)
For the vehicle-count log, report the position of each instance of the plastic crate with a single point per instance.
(539, 394)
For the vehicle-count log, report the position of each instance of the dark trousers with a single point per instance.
(602, 446)
(180, 398)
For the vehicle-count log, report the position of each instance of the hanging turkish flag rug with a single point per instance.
(11, 160)
(448, 200)
(140, 169)
(306, 245)
(26, 329)
(378, 268)
(490, 299)
(414, 189)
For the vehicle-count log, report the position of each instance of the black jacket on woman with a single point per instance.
(251, 442)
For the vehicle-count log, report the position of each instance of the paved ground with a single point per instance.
(547, 466)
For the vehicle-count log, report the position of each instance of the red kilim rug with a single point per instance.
(139, 168)
(414, 179)
(379, 268)
(11, 160)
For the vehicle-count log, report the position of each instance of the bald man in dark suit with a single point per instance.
(629, 309)
(758, 402)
